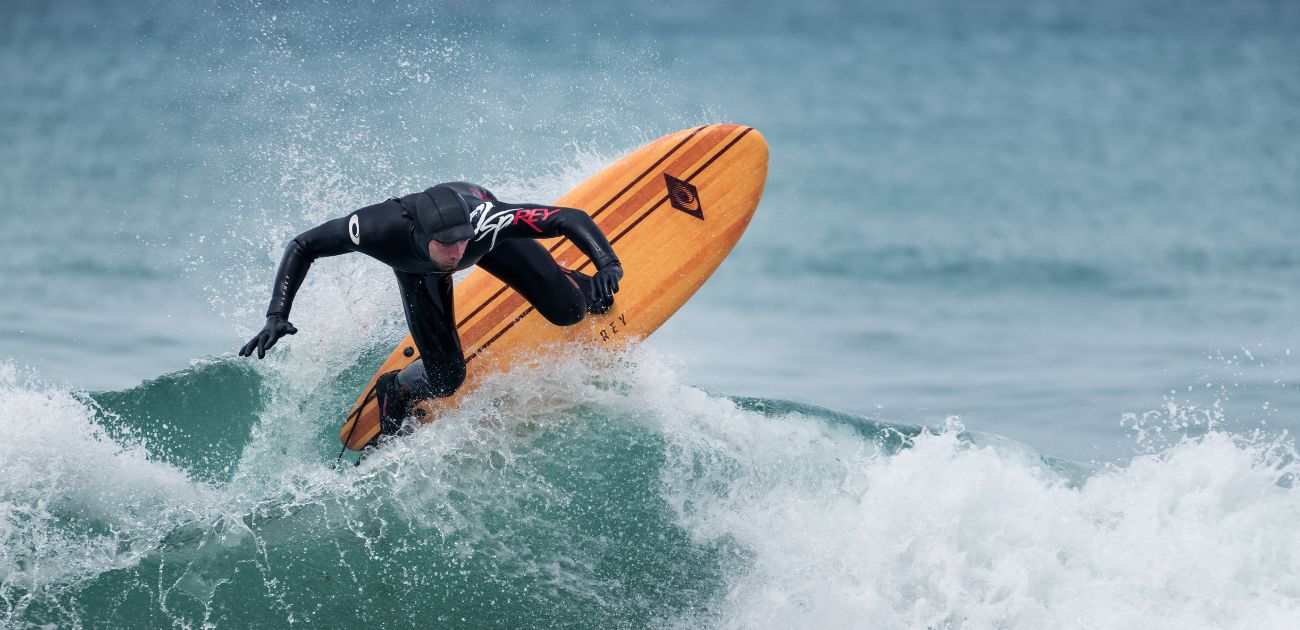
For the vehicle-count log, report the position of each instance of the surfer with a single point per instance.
(427, 236)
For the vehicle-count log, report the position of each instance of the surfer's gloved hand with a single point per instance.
(276, 326)
(605, 283)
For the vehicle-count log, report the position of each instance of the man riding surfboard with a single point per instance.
(426, 237)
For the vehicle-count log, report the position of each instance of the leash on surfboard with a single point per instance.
(354, 418)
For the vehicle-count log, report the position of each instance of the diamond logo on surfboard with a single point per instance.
(683, 196)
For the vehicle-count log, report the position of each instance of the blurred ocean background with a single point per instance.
(1008, 343)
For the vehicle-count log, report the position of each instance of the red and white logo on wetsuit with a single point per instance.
(531, 216)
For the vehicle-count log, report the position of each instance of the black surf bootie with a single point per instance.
(394, 403)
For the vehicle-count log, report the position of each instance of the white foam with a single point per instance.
(830, 532)
(73, 501)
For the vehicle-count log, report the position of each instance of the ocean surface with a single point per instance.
(1009, 343)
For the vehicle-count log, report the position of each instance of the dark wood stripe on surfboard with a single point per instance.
(503, 331)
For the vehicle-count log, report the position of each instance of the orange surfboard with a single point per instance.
(672, 209)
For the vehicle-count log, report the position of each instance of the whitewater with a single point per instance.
(598, 490)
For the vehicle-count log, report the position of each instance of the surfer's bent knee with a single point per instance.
(565, 303)
(566, 315)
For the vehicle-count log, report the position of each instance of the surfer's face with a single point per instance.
(447, 256)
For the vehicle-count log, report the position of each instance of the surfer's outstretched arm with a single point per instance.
(328, 239)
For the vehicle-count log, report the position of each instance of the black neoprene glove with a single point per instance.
(276, 326)
(605, 283)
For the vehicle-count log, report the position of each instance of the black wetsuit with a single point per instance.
(504, 244)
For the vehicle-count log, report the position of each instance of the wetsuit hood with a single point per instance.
(440, 214)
